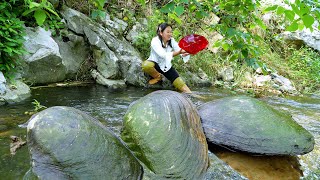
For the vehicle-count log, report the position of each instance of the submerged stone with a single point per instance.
(247, 124)
(164, 131)
(66, 143)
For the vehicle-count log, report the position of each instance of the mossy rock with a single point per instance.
(164, 131)
(248, 124)
(66, 143)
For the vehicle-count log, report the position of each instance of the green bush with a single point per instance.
(14, 14)
(11, 38)
(305, 66)
(144, 38)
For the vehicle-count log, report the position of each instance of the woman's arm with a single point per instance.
(177, 49)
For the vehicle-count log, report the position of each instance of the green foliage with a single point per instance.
(305, 66)
(11, 38)
(144, 38)
(37, 106)
(44, 15)
(99, 11)
(40, 10)
(238, 20)
(301, 15)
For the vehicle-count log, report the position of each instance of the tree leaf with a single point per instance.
(304, 9)
(33, 4)
(231, 32)
(271, 8)
(179, 10)
(28, 11)
(245, 53)
(175, 17)
(261, 24)
(301, 26)
(40, 16)
(280, 10)
(295, 9)
(168, 8)
(225, 46)
(293, 27)
(289, 14)
(308, 20)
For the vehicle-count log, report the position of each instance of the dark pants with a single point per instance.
(172, 74)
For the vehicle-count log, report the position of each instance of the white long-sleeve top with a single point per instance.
(162, 56)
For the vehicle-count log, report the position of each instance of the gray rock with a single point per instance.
(16, 92)
(2, 84)
(226, 74)
(110, 83)
(117, 52)
(116, 25)
(74, 52)
(284, 84)
(43, 63)
(311, 39)
(137, 30)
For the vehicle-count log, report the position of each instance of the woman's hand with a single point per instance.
(183, 53)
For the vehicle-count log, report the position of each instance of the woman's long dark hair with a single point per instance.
(161, 28)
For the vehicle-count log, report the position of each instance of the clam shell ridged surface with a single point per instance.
(164, 131)
(66, 143)
(248, 124)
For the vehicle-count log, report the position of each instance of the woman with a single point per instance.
(163, 49)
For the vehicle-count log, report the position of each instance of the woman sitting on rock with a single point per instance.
(163, 49)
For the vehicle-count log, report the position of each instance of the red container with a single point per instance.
(193, 43)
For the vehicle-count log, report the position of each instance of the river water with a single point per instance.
(110, 106)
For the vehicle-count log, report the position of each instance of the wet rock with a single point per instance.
(163, 130)
(66, 143)
(247, 124)
(15, 93)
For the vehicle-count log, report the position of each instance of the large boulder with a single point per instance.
(74, 53)
(116, 59)
(66, 143)
(164, 131)
(43, 63)
(247, 124)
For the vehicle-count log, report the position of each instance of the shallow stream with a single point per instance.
(110, 106)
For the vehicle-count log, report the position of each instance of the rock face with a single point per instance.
(247, 124)
(115, 58)
(311, 39)
(43, 63)
(66, 143)
(74, 52)
(163, 130)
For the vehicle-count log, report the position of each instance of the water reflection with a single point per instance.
(110, 106)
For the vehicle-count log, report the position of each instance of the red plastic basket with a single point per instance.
(193, 43)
